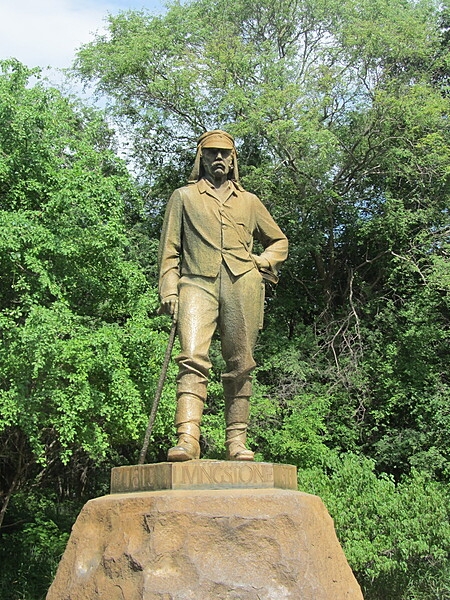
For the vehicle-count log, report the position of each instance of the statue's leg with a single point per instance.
(187, 421)
(237, 411)
(197, 319)
(241, 306)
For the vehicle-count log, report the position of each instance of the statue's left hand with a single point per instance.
(261, 262)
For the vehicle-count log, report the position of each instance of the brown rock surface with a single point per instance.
(204, 545)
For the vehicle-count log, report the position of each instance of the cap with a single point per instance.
(216, 139)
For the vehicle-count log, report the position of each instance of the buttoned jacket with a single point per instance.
(200, 231)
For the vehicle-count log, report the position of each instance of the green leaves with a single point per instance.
(396, 537)
(71, 291)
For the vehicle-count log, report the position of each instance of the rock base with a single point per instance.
(239, 544)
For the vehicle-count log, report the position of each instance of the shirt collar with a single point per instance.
(205, 186)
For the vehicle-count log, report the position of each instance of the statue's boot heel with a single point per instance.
(187, 448)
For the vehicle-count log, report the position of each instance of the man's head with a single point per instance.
(217, 163)
(216, 157)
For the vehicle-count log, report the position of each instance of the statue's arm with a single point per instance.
(274, 241)
(169, 254)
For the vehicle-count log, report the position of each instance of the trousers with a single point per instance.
(234, 306)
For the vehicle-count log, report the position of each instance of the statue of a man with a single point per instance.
(209, 278)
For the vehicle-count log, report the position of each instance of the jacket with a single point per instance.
(200, 231)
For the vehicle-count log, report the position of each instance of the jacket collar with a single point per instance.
(205, 187)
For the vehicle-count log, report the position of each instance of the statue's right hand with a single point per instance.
(169, 306)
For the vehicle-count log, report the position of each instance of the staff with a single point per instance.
(159, 389)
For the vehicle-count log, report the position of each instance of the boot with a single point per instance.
(236, 416)
(187, 421)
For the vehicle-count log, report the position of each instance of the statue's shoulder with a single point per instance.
(187, 190)
(249, 196)
(183, 193)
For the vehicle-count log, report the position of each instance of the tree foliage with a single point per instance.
(340, 112)
(79, 353)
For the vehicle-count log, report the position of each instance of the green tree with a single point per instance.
(80, 344)
(396, 536)
(340, 111)
(341, 123)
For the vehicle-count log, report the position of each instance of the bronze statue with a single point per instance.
(209, 278)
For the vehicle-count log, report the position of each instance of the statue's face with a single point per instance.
(217, 162)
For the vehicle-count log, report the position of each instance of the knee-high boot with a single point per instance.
(237, 412)
(187, 421)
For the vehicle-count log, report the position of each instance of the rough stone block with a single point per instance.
(239, 544)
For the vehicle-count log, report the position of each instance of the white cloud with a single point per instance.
(48, 32)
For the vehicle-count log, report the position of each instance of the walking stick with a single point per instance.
(159, 389)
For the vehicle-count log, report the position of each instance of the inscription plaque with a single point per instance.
(202, 474)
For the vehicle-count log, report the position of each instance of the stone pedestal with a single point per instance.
(203, 475)
(198, 544)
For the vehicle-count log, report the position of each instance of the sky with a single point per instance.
(47, 33)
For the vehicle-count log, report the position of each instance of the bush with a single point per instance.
(396, 536)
